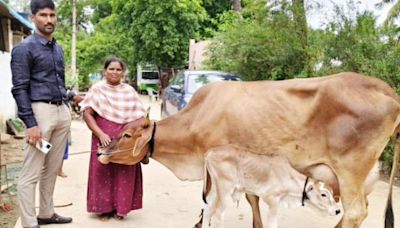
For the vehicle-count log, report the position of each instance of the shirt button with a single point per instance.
(59, 87)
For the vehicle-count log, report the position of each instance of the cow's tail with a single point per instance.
(206, 183)
(389, 217)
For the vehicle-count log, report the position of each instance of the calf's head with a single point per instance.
(131, 145)
(320, 196)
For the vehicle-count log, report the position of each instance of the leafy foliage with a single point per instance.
(159, 31)
(361, 47)
(263, 45)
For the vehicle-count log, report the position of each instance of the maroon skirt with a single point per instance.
(112, 187)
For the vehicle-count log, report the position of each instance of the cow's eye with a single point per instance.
(323, 195)
(126, 135)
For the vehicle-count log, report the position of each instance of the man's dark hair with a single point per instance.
(37, 5)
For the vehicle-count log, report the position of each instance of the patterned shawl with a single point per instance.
(120, 103)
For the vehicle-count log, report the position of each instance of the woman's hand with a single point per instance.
(104, 139)
(88, 116)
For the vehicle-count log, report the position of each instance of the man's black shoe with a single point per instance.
(55, 219)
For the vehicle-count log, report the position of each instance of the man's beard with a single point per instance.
(46, 30)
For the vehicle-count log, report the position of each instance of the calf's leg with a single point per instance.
(272, 212)
(210, 209)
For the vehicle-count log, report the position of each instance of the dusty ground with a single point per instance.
(166, 199)
(11, 158)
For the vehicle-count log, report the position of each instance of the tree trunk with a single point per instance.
(236, 5)
(300, 21)
(73, 48)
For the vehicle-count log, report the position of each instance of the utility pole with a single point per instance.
(73, 48)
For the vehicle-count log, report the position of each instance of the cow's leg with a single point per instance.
(353, 200)
(253, 201)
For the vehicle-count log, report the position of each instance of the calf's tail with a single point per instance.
(389, 217)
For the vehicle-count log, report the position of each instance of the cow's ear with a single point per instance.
(142, 140)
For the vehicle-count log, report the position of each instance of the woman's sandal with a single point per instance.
(104, 216)
(118, 217)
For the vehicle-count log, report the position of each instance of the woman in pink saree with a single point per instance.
(113, 189)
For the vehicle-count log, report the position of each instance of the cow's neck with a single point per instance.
(175, 150)
(294, 190)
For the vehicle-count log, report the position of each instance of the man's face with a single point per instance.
(45, 21)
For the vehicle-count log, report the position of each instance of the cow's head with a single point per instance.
(320, 196)
(131, 145)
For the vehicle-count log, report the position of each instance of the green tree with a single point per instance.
(215, 9)
(361, 47)
(394, 11)
(159, 31)
(263, 44)
(101, 9)
(63, 35)
(104, 42)
(301, 29)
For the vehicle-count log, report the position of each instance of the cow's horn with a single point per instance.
(148, 113)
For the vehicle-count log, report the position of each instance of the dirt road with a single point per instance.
(170, 203)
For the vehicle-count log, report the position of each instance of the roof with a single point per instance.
(7, 11)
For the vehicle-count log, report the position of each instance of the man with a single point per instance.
(37, 66)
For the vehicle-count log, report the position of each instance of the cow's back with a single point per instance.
(319, 115)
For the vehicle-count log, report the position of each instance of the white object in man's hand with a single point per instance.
(43, 146)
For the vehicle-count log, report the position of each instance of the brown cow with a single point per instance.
(343, 121)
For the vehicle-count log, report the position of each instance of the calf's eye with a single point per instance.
(323, 195)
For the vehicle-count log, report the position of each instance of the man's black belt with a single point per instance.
(58, 103)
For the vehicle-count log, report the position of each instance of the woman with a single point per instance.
(113, 190)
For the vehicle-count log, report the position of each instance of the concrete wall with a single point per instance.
(197, 53)
(7, 103)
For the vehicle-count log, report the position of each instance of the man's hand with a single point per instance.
(33, 135)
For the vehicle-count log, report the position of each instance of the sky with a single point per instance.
(316, 18)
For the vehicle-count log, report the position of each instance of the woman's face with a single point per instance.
(113, 73)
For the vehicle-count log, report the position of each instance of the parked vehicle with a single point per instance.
(147, 77)
(185, 84)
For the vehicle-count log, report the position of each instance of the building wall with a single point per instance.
(7, 103)
(13, 29)
(197, 54)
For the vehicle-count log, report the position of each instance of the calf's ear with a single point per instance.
(142, 140)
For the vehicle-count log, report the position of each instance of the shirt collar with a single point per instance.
(44, 41)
